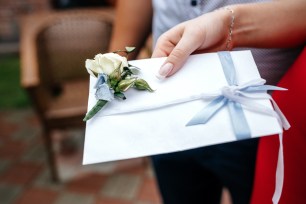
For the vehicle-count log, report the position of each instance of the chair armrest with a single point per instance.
(28, 54)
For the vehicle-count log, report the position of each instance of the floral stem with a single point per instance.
(124, 51)
(99, 105)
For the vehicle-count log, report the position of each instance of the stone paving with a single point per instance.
(25, 178)
(24, 175)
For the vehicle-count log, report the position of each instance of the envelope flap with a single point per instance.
(193, 79)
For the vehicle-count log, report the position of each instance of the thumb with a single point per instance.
(177, 57)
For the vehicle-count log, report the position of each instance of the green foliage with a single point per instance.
(118, 82)
(141, 84)
(99, 105)
(130, 49)
(11, 93)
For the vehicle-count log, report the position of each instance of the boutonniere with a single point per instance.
(114, 76)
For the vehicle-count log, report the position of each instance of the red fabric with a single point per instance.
(293, 105)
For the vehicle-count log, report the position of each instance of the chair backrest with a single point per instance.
(67, 40)
(54, 47)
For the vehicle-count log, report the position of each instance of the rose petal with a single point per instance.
(106, 65)
(89, 65)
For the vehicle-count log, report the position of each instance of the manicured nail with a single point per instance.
(164, 70)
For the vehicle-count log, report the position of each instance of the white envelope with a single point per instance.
(115, 135)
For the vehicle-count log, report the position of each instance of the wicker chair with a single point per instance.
(54, 47)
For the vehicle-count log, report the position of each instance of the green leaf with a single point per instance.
(130, 49)
(126, 72)
(120, 95)
(99, 105)
(134, 70)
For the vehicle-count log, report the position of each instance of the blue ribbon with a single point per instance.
(103, 92)
(228, 98)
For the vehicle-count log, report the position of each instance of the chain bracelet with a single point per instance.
(229, 41)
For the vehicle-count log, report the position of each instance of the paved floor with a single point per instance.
(24, 176)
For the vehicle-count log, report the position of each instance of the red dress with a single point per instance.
(293, 105)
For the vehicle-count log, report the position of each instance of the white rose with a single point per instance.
(105, 63)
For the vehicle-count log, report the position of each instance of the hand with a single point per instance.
(207, 33)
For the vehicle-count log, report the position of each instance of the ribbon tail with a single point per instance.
(208, 111)
(282, 118)
(274, 88)
(263, 88)
(239, 122)
(279, 180)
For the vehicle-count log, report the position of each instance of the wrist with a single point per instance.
(228, 16)
(229, 41)
(244, 33)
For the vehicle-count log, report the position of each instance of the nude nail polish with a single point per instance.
(164, 70)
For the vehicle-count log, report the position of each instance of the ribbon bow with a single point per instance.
(235, 96)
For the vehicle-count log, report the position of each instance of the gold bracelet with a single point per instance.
(229, 41)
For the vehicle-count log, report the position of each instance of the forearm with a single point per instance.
(132, 24)
(273, 24)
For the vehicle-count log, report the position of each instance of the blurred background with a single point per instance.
(43, 98)
(37, 36)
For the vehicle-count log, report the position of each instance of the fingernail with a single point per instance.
(164, 70)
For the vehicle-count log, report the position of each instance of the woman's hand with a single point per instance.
(254, 26)
(206, 33)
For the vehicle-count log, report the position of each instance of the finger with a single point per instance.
(168, 41)
(179, 54)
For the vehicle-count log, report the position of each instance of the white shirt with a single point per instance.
(272, 63)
